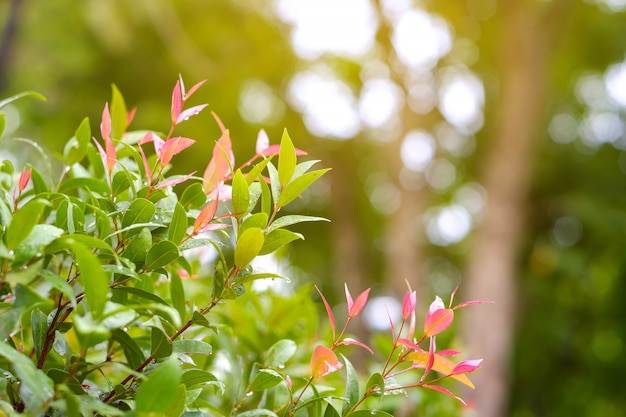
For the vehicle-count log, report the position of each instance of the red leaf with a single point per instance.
(220, 165)
(193, 89)
(438, 321)
(408, 304)
(350, 341)
(24, 178)
(329, 311)
(359, 303)
(324, 362)
(223, 192)
(192, 111)
(177, 102)
(206, 215)
(172, 147)
(105, 124)
(431, 358)
(445, 391)
(466, 366)
(146, 165)
(175, 181)
(130, 116)
(468, 303)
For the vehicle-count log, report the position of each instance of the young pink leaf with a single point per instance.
(146, 165)
(407, 342)
(192, 111)
(359, 303)
(350, 341)
(173, 147)
(105, 124)
(193, 89)
(131, 116)
(465, 367)
(206, 215)
(445, 391)
(441, 364)
(220, 165)
(109, 148)
(183, 274)
(272, 150)
(175, 181)
(348, 297)
(469, 303)
(329, 311)
(408, 304)
(438, 321)
(431, 358)
(177, 101)
(262, 142)
(219, 122)
(324, 362)
(437, 304)
(449, 352)
(24, 178)
(223, 192)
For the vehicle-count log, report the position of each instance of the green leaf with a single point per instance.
(138, 247)
(240, 194)
(39, 184)
(138, 292)
(60, 376)
(23, 222)
(248, 246)
(352, 387)
(286, 160)
(11, 99)
(200, 320)
(159, 391)
(298, 185)
(277, 239)
(132, 351)
(39, 323)
(76, 148)
(139, 211)
(266, 198)
(219, 275)
(264, 379)
(36, 387)
(280, 352)
(193, 197)
(177, 294)
(59, 284)
(121, 182)
(245, 278)
(293, 219)
(370, 413)
(40, 237)
(194, 377)
(3, 123)
(87, 183)
(67, 242)
(191, 347)
(94, 280)
(119, 114)
(257, 170)
(274, 183)
(161, 254)
(160, 344)
(178, 225)
(257, 412)
(330, 411)
(256, 220)
(375, 382)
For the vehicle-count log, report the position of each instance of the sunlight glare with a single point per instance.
(380, 100)
(417, 150)
(447, 225)
(461, 98)
(421, 39)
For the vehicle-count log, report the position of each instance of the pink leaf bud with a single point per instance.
(408, 305)
(324, 362)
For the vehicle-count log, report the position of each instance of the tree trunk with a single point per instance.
(492, 266)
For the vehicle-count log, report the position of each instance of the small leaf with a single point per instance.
(324, 362)
(39, 323)
(191, 347)
(119, 114)
(329, 311)
(264, 379)
(248, 246)
(3, 123)
(280, 352)
(277, 239)
(160, 390)
(177, 294)
(438, 321)
(298, 185)
(139, 211)
(286, 160)
(274, 183)
(266, 198)
(293, 219)
(94, 280)
(160, 344)
(256, 220)
(161, 254)
(137, 249)
(132, 351)
(11, 99)
(241, 195)
(194, 377)
(23, 222)
(40, 237)
(375, 384)
(193, 196)
(178, 225)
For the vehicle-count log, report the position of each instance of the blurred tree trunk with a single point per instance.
(8, 37)
(491, 270)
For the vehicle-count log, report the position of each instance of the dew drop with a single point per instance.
(248, 394)
(373, 412)
(38, 254)
(281, 366)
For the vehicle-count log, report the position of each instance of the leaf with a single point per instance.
(138, 292)
(280, 352)
(194, 377)
(132, 351)
(441, 364)
(256, 220)
(286, 160)
(256, 170)
(93, 279)
(330, 411)
(177, 294)
(178, 225)
(161, 254)
(257, 412)
(92, 184)
(241, 195)
(160, 344)
(3, 123)
(36, 387)
(266, 198)
(324, 362)
(11, 99)
(173, 147)
(160, 390)
(370, 413)
(76, 148)
(293, 219)
(329, 311)
(375, 384)
(193, 197)
(248, 246)
(277, 239)
(191, 347)
(39, 323)
(438, 321)
(352, 386)
(40, 237)
(298, 185)
(137, 249)
(274, 183)
(59, 284)
(264, 379)
(139, 211)
(23, 222)
(119, 114)
(121, 182)
(244, 278)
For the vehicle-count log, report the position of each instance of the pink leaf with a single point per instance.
(449, 352)
(466, 366)
(175, 181)
(177, 101)
(220, 165)
(172, 147)
(408, 305)
(105, 125)
(329, 311)
(348, 297)
(206, 215)
(407, 342)
(223, 192)
(445, 391)
(468, 303)
(438, 321)
(25, 178)
(219, 122)
(324, 362)
(213, 226)
(105, 130)
(130, 116)
(262, 142)
(193, 89)
(192, 111)
(437, 304)
(146, 165)
(359, 303)
(431, 358)
(350, 341)
(275, 149)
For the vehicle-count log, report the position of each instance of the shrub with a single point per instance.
(121, 287)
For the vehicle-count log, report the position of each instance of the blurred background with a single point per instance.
(479, 143)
